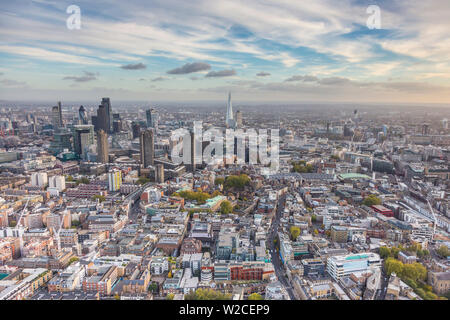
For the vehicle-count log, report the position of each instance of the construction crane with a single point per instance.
(19, 233)
(56, 233)
(434, 217)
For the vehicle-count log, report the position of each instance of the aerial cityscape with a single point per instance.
(151, 155)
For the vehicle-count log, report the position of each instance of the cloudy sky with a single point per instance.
(261, 50)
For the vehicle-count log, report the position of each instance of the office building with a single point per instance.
(239, 119)
(136, 129)
(159, 173)
(102, 147)
(147, 142)
(57, 121)
(230, 123)
(83, 137)
(102, 122)
(60, 142)
(342, 266)
(106, 103)
(152, 118)
(82, 116)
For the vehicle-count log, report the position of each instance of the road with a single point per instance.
(381, 293)
(277, 264)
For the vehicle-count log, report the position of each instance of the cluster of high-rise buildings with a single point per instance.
(92, 205)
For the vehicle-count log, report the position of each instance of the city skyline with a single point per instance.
(260, 51)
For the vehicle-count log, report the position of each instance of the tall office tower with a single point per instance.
(194, 150)
(159, 173)
(83, 137)
(147, 143)
(152, 118)
(239, 118)
(229, 117)
(116, 123)
(445, 123)
(82, 116)
(102, 147)
(103, 118)
(117, 126)
(57, 121)
(61, 140)
(425, 129)
(136, 129)
(114, 180)
(109, 117)
(94, 121)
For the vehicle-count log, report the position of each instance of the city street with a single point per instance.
(277, 264)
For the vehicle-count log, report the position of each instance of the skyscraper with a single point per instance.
(57, 121)
(102, 118)
(229, 117)
(239, 118)
(136, 129)
(82, 116)
(147, 143)
(159, 173)
(109, 120)
(83, 137)
(152, 118)
(102, 147)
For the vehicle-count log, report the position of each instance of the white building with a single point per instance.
(341, 266)
(114, 180)
(159, 265)
(57, 182)
(39, 179)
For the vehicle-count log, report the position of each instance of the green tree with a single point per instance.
(226, 207)
(334, 157)
(170, 296)
(420, 271)
(142, 180)
(219, 181)
(255, 296)
(443, 251)
(295, 232)
(207, 294)
(313, 218)
(371, 200)
(73, 259)
(410, 271)
(153, 287)
(302, 167)
(99, 197)
(75, 224)
(384, 252)
(392, 265)
(236, 182)
(395, 251)
(84, 180)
